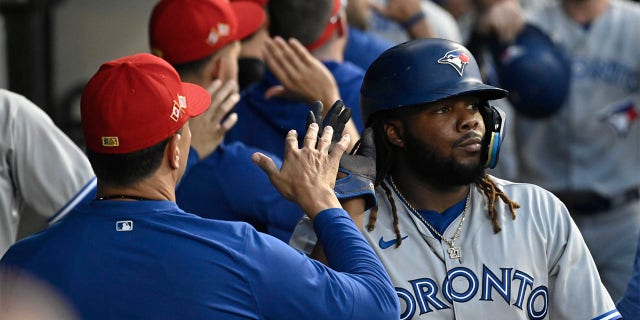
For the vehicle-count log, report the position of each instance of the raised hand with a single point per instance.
(302, 76)
(208, 129)
(307, 175)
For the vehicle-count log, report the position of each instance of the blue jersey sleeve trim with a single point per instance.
(611, 315)
(86, 191)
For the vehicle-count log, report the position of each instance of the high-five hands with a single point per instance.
(308, 174)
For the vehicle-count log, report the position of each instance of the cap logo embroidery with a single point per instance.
(455, 58)
(212, 39)
(110, 142)
(223, 29)
(177, 108)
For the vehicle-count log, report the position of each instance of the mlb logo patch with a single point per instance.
(110, 142)
(124, 225)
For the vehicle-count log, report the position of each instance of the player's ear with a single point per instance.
(393, 131)
(173, 152)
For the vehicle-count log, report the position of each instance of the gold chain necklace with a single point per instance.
(454, 252)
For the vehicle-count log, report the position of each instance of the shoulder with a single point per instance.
(536, 203)
(17, 107)
(519, 189)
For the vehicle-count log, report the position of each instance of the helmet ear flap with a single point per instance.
(494, 123)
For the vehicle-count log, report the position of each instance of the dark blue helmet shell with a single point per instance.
(535, 72)
(422, 71)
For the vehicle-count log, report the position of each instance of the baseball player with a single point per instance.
(132, 253)
(265, 118)
(221, 181)
(41, 169)
(588, 153)
(457, 242)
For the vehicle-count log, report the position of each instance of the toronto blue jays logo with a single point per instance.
(455, 58)
(622, 116)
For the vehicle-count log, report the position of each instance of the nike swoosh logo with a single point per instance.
(386, 244)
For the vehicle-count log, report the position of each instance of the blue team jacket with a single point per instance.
(151, 260)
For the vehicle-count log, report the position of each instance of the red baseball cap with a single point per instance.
(182, 31)
(135, 102)
(250, 14)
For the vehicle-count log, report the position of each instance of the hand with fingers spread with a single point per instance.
(302, 76)
(307, 175)
(336, 118)
(208, 129)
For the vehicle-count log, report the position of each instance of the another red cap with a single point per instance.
(135, 102)
(182, 31)
(250, 14)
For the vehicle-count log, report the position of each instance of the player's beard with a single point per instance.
(441, 172)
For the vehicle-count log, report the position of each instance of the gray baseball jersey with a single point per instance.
(40, 167)
(593, 142)
(537, 267)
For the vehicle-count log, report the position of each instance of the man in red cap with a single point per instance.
(200, 38)
(132, 253)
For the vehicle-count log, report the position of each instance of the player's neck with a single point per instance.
(138, 191)
(424, 196)
(585, 11)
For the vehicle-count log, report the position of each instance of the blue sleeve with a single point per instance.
(289, 285)
(253, 193)
(227, 185)
(629, 304)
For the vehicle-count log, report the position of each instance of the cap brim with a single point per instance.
(251, 17)
(483, 91)
(198, 99)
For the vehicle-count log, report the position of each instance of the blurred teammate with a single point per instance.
(41, 169)
(588, 152)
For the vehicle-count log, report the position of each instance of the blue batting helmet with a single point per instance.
(419, 72)
(428, 70)
(535, 72)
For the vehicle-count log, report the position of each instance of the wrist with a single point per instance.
(413, 20)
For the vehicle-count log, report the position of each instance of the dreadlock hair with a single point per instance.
(384, 162)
